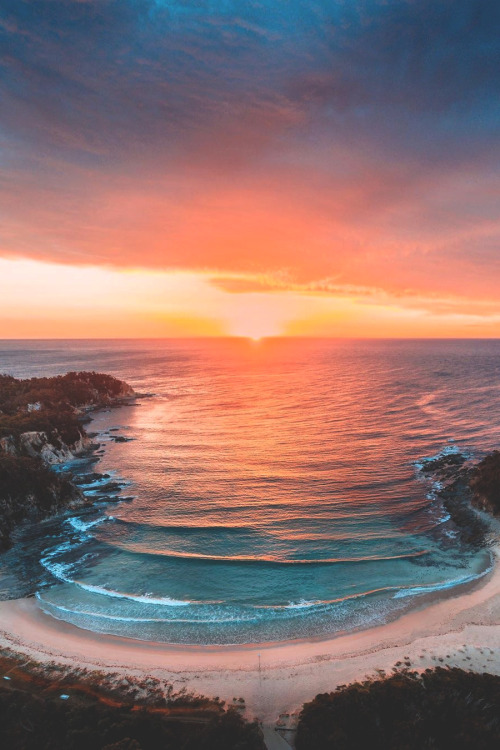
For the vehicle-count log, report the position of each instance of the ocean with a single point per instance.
(266, 490)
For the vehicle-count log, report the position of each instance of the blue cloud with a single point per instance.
(98, 78)
(137, 88)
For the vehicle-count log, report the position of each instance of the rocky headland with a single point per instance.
(467, 491)
(42, 423)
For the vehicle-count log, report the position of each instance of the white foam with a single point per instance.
(448, 450)
(142, 598)
(303, 604)
(99, 615)
(80, 525)
(414, 590)
(176, 621)
(59, 570)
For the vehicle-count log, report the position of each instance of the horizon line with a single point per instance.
(253, 339)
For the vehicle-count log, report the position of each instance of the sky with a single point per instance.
(249, 168)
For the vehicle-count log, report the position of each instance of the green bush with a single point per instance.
(442, 709)
(485, 483)
(38, 722)
(29, 489)
(58, 398)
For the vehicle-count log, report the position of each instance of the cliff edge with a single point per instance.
(41, 424)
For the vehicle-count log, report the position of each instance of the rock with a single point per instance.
(7, 445)
(37, 444)
(485, 484)
(41, 425)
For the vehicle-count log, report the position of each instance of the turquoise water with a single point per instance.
(273, 487)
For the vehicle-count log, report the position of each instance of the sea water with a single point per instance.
(272, 488)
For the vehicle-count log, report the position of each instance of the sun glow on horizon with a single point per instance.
(237, 169)
(49, 300)
(258, 315)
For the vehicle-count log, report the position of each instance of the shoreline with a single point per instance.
(489, 525)
(420, 603)
(460, 630)
(449, 627)
(40, 438)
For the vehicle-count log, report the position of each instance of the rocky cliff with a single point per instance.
(29, 490)
(463, 488)
(41, 424)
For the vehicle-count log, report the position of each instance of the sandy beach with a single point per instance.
(461, 630)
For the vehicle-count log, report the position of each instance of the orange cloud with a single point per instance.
(47, 300)
(309, 168)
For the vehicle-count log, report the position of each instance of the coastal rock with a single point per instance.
(451, 475)
(38, 444)
(485, 484)
(41, 425)
(30, 490)
(8, 445)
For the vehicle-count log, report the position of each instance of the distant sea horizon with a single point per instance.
(251, 338)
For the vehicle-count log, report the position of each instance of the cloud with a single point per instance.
(354, 141)
(437, 303)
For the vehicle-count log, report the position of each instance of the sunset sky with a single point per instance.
(250, 168)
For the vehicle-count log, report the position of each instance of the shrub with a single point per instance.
(443, 708)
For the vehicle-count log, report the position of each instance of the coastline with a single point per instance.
(460, 630)
(455, 627)
(488, 524)
(41, 437)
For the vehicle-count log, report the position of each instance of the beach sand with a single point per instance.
(462, 630)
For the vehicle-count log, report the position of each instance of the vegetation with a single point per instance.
(29, 489)
(53, 407)
(453, 479)
(485, 483)
(440, 709)
(35, 720)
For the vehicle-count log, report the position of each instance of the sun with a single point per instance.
(253, 329)
(257, 316)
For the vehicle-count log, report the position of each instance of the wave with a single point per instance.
(262, 529)
(258, 560)
(100, 615)
(59, 570)
(316, 603)
(245, 614)
(80, 525)
(169, 602)
(415, 590)
(401, 592)
(185, 528)
(141, 598)
(62, 571)
(163, 620)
